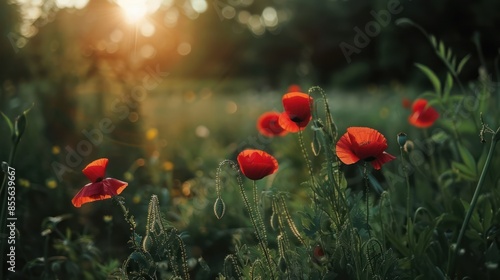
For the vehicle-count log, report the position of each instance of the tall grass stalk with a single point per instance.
(475, 197)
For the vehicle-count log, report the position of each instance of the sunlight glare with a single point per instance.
(136, 10)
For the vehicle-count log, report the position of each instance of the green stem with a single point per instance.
(475, 197)
(409, 227)
(256, 228)
(260, 221)
(367, 191)
(248, 206)
(306, 158)
(408, 189)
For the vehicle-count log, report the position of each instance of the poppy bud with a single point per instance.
(219, 208)
(402, 139)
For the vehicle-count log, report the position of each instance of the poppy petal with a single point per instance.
(380, 160)
(367, 142)
(256, 164)
(363, 143)
(419, 105)
(287, 124)
(422, 115)
(104, 189)
(96, 169)
(297, 107)
(268, 125)
(344, 151)
(90, 192)
(113, 186)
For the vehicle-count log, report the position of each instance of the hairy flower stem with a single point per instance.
(262, 244)
(409, 227)
(260, 238)
(306, 158)
(128, 218)
(367, 198)
(475, 197)
(258, 214)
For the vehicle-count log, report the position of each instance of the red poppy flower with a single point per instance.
(100, 187)
(268, 125)
(256, 164)
(363, 143)
(422, 116)
(294, 88)
(318, 253)
(297, 111)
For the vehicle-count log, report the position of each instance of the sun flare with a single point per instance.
(134, 10)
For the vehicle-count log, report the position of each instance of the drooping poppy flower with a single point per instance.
(99, 187)
(256, 164)
(268, 125)
(363, 143)
(297, 111)
(422, 116)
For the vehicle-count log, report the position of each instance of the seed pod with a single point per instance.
(402, 139)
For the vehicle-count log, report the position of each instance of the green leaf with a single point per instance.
(433, 102)
(449, 54)
(462, 63)
(481, 161)
(433, 40)
(9, 123)
(440, 137)
(467, 158)
(448, 85)
(432, 77)
(428, 95)
(424, 240)
(397, 243)
(442, 49)
(453, 62)
(463, 171)
(20, 125)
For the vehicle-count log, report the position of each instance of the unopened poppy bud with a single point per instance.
(402, 137)
(219, 208)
